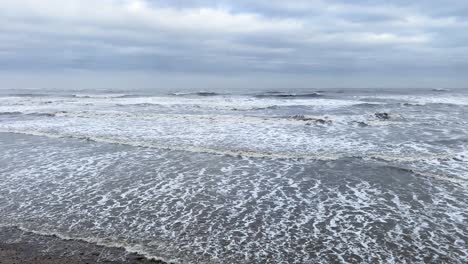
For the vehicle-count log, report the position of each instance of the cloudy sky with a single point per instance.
(202, 43)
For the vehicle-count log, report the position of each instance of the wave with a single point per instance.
(440, 90)
(16, 113)
(304, 118)
(184, 148)
(109, 95)
(388, 104)
(132, 249)
(251, 119)
(368, 105)
(361, 121)
(10, 113)
(139, 105)
(271, 107)
(288, 95)
(238, 153)
(449, 178)
(27, 95)
(104, 96)
(461, 100)
(43, 114)
(411, 104)
(377, 119)
(200, 93)
(451, 141)
(443, 177)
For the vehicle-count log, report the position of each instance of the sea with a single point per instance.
(241, 175)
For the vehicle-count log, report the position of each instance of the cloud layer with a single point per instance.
(312, 37)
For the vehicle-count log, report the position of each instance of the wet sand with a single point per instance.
(18, 247)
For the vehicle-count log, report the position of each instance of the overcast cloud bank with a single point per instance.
(304, 43)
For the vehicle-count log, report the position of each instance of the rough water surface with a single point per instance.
(271, 177)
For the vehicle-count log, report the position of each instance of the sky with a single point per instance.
(229, 44)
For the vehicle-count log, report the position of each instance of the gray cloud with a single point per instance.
(325, 39)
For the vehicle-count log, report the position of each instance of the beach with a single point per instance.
(19, 247)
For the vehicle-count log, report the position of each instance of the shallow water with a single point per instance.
(265, 177)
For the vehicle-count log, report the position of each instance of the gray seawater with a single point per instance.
(335, 176)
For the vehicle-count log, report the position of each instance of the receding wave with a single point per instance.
(135, 248)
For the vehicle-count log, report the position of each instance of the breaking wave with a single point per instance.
(288, 95)
(200, 93)
(104, 96)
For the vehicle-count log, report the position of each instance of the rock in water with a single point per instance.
(382, 116)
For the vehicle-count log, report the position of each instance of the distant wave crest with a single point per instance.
(288, 95)
(200, 93)
(103, 96)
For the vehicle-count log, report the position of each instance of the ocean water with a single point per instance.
(293, 176)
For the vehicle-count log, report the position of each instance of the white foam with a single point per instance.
(234, 210)
(422, 100)
(277, 187)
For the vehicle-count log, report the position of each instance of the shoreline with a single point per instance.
(17, 246)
